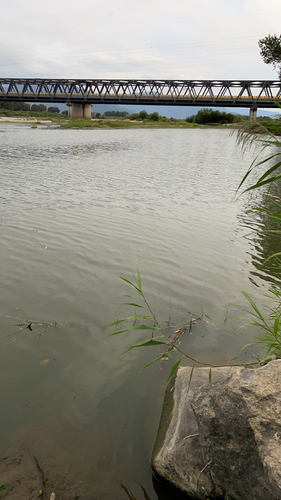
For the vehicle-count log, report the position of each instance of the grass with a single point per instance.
(270, 321)
(115, 123)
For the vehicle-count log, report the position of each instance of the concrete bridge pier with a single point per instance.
(77, 110)
(253, 112)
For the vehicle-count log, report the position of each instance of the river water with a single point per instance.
(79, 208)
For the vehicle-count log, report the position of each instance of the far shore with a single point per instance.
(104, 123)
(23, 119)
(108, 122)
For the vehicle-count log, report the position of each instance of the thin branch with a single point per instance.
(201, 472)
(190, 436)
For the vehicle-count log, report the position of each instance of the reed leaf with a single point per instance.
(139, 280)
(154, 361)
(136, 316)
(174, 368)
(130, 283)
(138, 327)
(147, 343)
(131, 304)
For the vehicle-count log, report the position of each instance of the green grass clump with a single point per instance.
(127, 123)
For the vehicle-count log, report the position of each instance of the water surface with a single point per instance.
(79, 208)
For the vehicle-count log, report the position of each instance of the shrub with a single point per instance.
(154, 116)
(143, 115)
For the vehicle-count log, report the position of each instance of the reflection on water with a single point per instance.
(263, 237)
(79, 208)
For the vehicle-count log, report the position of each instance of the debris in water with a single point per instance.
(44, 362)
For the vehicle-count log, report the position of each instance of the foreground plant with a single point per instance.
(151, 324)
(270, 323)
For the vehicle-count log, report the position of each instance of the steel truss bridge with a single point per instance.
(230, 93)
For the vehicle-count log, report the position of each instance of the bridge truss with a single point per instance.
(230, 93)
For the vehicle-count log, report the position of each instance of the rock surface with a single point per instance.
(224, 436)
(177, 454)
(240, 432)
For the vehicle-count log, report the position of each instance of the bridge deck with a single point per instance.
(180, 93)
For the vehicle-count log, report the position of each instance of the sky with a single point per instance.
(148, 39)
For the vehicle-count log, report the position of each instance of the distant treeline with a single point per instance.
(143, 115)
(204, 116)
(24, 106)
(209, 116)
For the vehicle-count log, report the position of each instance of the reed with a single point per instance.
(269, 321)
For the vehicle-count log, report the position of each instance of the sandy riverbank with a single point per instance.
(23, 120)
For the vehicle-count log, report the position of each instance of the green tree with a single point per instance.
(15, 106)
(143, 114)
(53, 109)
(38, 108)
(271, 51)
(42, 108)
(207, 115)
(154, 116)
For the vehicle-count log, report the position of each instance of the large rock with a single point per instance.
(177, 454)
(223, 437)
(240, 429)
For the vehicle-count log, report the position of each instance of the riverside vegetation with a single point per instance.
(205, 117)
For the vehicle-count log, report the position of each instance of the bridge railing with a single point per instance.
(191, 92)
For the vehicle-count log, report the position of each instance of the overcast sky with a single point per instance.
(158, 39)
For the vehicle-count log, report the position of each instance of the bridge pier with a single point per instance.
(77, 110)
(253, 112)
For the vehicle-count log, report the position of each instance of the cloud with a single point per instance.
(154, 39)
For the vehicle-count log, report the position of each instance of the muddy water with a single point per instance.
(78, 209)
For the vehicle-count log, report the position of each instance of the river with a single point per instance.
(79, 209)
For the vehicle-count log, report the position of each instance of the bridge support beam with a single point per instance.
(253, 113)
(77, 110)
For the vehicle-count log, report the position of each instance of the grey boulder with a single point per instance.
(222, 437)
(239, 423)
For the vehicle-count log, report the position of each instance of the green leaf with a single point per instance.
(253, 165)
(276, 326)
(271, 257)
(139, 280)
(136, 316)
(3, 486)
(234, 359)
(159, 357)
(131, 304)
(174, 367)
(269, 171)
(210, 376)
(138, 327)
(147, 343)
(255, 307)
(277, 104)
(130, 283)
(263, 183)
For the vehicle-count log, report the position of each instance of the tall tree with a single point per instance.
(271, 51)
